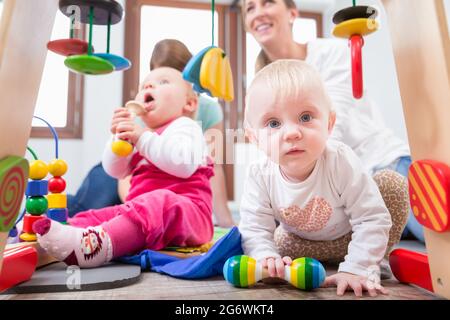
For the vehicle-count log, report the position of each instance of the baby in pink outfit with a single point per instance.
(170, 200)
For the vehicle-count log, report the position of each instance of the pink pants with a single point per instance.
(153, 220)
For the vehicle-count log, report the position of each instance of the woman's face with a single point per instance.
(268, 20)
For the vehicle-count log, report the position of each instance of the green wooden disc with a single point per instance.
(36, 205)
(88, 64)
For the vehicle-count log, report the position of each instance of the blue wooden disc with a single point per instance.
(120, 63)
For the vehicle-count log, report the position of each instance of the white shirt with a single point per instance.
(338, 197)
(356, 120)
(179, 150)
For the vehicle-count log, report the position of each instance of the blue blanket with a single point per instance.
(203, 266)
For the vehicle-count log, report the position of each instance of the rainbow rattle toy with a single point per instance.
(304, 273)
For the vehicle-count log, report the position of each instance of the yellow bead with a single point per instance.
(57, 200)
(122, 148)
(38, 170)
(57, 167)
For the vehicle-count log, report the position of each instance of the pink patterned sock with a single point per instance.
(88, 248)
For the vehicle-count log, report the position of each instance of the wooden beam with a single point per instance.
(420, 39)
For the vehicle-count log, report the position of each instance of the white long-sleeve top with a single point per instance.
(178, 150)
(338, 197)
(358, 122)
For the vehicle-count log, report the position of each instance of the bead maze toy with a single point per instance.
(304, 273)
(210, 70)
(353, 23)
(80, 55)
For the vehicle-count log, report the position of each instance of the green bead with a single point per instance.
(36, 205)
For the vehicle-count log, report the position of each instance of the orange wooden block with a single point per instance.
(429, 186)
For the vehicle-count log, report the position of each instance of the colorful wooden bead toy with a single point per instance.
(429, 185)
(353, 23)
(304, 273)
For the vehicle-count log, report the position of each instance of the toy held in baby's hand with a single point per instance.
(123, 148)
(304, 273)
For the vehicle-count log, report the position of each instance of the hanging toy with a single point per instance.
(123, 148)
(210, 71)
(44, 197)
(353, 23)
(98, 12)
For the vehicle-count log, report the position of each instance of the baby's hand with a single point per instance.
(343, 280)
(120, 115)
(130, 131)
(275, 266)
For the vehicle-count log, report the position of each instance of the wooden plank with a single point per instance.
(25, 28)
(420, 39)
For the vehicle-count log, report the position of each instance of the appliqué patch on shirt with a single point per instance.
(313, 217)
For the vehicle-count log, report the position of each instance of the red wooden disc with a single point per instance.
(68, 47)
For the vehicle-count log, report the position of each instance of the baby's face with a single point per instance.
(292, 131)
(164, 95)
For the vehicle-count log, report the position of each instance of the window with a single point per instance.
(60, 95)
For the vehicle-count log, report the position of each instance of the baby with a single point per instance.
(327, 206)
(170, 201)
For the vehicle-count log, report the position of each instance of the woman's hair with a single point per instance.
(170, 53)
(288, 78)
(263, 60)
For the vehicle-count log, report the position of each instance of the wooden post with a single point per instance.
(420, 39)
(25, 29)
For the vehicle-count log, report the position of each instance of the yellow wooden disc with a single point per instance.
(215, 74)
(351, 27)
(28, 237)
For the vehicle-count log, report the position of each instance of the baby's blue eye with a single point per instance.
(273, 124)
(305, 117)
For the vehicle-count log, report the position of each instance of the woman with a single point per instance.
(270, 23)
(167, 53)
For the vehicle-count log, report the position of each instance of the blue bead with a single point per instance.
(59, 215)
(36, 188)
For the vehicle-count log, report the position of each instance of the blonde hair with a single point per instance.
(287, 78)
(262, 59)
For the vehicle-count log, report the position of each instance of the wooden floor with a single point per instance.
(156, 286)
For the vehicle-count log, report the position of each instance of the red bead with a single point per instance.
(56, 185)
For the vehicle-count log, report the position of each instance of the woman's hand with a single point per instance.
(344, 280)
(120, 115)
(275, 266)
(130, 131)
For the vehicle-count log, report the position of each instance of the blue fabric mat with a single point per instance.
(203, 266)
